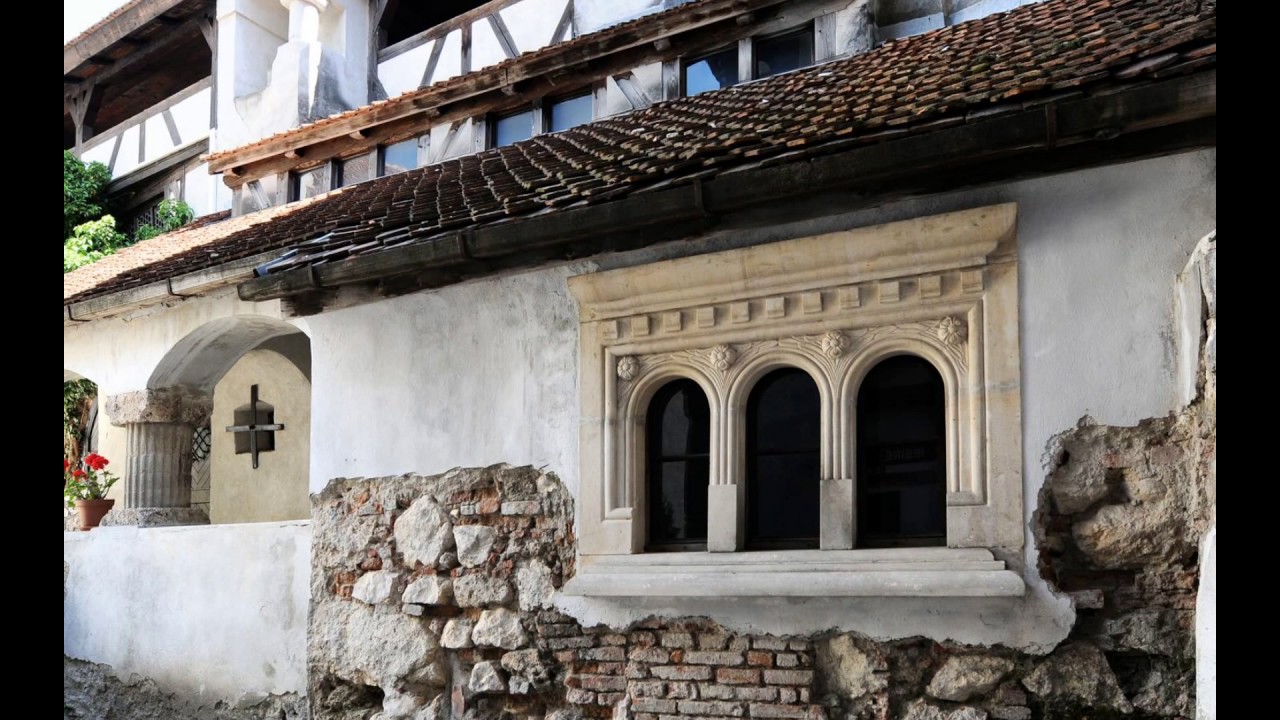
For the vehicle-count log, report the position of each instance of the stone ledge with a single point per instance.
(915, 572)
(155, 517)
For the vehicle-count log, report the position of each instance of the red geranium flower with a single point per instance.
(66, 464)
(95, 461)
(78, 473)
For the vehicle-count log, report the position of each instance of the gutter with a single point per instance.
(653, 216)
(192, 284)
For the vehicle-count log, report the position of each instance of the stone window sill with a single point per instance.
(908, 572)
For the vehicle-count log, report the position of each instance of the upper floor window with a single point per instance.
(512, 128)
(711, 72)
(751, 58)
(784, 438)
(568, 112)
(902, 451)
(678, 460)
(783, 53)
(354, 170)
(310, 183)
(398, 157)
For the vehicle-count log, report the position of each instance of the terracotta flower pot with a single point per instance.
(91, 512)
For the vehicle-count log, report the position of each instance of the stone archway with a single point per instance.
(162, 420)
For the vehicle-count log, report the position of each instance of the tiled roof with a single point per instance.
(1032, 52)
(188, 246)
(418, 99)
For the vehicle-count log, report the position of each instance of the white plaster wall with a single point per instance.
(95, 349)
(1207, 629)
(249, 32)
(485, 372)
(592, 15)
(277, 489)
(209, 612)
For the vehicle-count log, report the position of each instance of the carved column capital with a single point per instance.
(179, 405)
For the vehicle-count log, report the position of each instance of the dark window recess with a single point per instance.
(783, 53)
(266, 438)
(311, 183)
(569, 112)
(902, 454)
(512, 128)
(712, 72)
(399, 157)
(146, 214)
(403, 19)
(784, 442)
(354, 170)
(678, 466)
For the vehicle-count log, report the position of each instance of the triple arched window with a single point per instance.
(901, 449)
(851, 390)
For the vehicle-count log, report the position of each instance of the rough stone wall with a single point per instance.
(431, 601)
(91, 691)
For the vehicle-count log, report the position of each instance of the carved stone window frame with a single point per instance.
(943, 287)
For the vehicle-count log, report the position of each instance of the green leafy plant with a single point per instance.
(84, 187)
(86, 480)
(171, 214)
(77, 403)
(90, 242)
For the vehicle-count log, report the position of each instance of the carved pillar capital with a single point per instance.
(180, 405)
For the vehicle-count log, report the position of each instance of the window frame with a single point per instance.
(834, 305)
(549, 103)
(491, 121)
(295, 179)
(683, 63)
(807, 27)
(421, 149)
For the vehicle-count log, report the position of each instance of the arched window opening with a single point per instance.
(784, 443)
(902, 452)
(678, 463)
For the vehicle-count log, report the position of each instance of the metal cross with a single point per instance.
(253, 428)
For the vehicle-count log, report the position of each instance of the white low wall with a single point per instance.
(215, 612)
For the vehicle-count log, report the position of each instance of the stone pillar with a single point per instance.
(304, 18)
(157, 479)
(838, 524)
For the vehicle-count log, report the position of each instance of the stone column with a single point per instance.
(304, 18)
(157, 479)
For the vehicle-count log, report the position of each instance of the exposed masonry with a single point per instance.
(91, 691)
(430, 601)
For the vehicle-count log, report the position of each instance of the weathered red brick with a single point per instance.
(738, 676)
(681, 672)
(788, 677)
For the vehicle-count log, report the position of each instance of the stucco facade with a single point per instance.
(277, 488)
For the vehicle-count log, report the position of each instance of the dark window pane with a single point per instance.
(783, 53)
(513, 128)
(711, 72)
(784, 442)
(313, 182)
(678, 436)
(400, 156)
(357, 169)
(266, 438)
(902, 453)
(570, 113)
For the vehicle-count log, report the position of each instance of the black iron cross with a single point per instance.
(253, 428)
